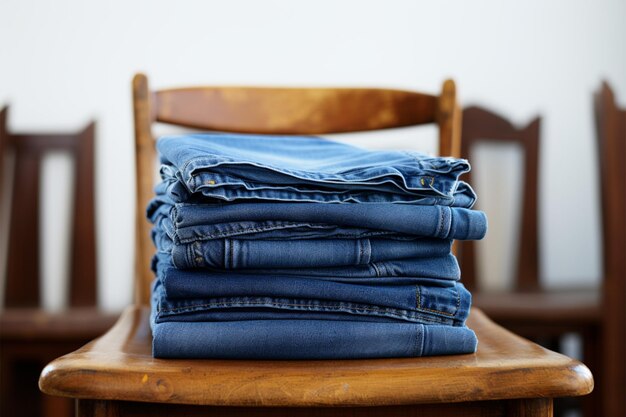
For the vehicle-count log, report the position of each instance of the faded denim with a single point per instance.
(187, 223)
(232, 167)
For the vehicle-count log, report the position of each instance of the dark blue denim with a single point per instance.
(241, 167)
(188, 295)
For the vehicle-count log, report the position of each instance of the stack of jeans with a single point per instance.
(304, 248)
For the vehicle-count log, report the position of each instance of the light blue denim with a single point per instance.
(234, 167)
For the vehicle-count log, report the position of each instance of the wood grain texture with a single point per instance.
(120, 366)
(297, 111)
(267, 110)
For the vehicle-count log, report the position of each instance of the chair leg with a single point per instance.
(592, 357)
(96, 408)
(535, 407)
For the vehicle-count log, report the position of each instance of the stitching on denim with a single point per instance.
(263, 229)
(198, 255)
(440, 227)
(189, 257)
(360, 244)
(445, 313)
(237, 232)
(376, 269)
(232, 256)
(418, 297)
(324, 307)
(390, 311)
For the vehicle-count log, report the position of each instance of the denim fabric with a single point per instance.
(192, 222)
(443, 267)
(232, 167)
(254, 334)
(307, 339)
(303, 253)
(303, 248)
(188, 295)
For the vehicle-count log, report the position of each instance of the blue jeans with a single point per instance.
(269, 327)
(186, 223)
(241, 167)
(274, 262)
(303, 248)
(307, 339)
(195, 295)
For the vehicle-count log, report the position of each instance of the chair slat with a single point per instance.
(297, 111)
(482, 125)
(22, 274)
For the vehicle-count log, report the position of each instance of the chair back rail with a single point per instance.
(299, 111)
(480, 125)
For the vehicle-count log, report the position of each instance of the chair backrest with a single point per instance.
(22, 286)
(611, 134)
(481, 125)
(299, 111)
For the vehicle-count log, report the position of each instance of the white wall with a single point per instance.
(64, 62)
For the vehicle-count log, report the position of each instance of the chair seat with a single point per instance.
(35, 324)
(119, 366)
(552, 307)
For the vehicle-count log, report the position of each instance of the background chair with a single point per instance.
(611, 133)
(29, 336)
(528, 309)
(116, 374)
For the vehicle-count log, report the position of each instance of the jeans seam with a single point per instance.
(219, 235)
(360, 244)
(367, 248)
(232, 255)
(445, 313)
(352, 308)
(440, 228)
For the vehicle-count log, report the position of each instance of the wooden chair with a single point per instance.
(611, 133)
(528, 309)
(116, 375)
(29, 336)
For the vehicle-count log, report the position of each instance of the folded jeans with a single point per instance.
(186, 223)
(287, 168)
